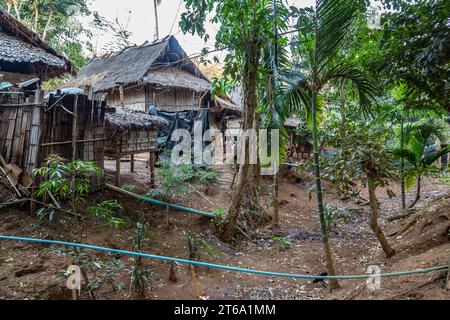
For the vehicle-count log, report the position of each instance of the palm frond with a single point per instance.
(406, 155)
(295, 93)
(363, 84)
(333, 20)
(434, 155)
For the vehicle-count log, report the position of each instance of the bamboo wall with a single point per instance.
(134, 141)
(57, 134)
(19, 130)
(169, 99)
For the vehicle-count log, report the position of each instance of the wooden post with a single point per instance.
(74, 128)
(34, 153)
(74, 147)
(132, 163)
(122, 97)
(152, 169)
(117, 172)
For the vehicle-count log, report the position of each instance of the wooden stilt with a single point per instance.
(117, 182)
(152, 169)
(132, 163)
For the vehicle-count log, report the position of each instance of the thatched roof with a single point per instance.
(126, 119)
(162, 62)
(23, 51)
(292, 123)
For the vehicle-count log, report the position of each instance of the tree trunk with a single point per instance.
(374, 220)
(256, 168)
(36, 18)
(17, 8)
(444, 159)
(326, 244)
(47, 25)
(156, 20)
(275, 204)
(250, 103)
(342, 103)
(402, 170)
(419, 187)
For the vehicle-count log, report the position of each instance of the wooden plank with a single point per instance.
(16, 136)
(10, 134)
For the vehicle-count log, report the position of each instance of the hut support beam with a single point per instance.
(132, 163)
(117, 181)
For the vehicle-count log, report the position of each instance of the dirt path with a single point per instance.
(28, 271)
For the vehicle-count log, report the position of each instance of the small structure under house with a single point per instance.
(129, 133)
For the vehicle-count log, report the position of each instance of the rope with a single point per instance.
(217, 266)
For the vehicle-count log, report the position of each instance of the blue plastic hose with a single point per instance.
(217, 266)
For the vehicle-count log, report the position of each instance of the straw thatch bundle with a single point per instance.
(126, 120)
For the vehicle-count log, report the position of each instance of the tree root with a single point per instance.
(406, 213)
(406, 228)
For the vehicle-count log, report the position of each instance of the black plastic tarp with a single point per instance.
(191, 120)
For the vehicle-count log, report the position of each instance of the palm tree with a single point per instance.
(421, 150)
(329, 24)
(156, 4)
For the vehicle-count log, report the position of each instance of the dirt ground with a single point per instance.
(33, 271)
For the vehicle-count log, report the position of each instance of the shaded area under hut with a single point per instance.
(131, 132)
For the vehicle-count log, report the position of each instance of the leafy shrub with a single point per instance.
(282, 242)
(334, 216)
(64, 180)
(176, 181)
(107, 211)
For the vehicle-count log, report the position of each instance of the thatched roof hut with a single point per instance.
(158, 74)
(23, 52)
(162, 62)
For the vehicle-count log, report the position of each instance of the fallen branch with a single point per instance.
(402, 215)
(13, 203)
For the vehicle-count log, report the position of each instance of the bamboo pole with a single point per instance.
(122, 97)
(74, 146)
(74, 128)
(33, 155)
(69, 142)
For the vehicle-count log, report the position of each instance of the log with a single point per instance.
(13, 203)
